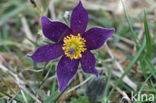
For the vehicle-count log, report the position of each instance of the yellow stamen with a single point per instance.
(74, 46)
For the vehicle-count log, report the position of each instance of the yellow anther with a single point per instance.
(74, 46)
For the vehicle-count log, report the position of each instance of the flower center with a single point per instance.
(74, 46)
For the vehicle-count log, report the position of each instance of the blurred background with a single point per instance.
(126, 63)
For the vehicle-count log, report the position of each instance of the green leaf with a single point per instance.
(143, 85)
(33, 42)
(150, 67)
(131, 27)
(148, 38)
(52, 98)
(108, 81)
(80, 99)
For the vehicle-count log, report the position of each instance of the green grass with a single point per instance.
(148, 38)
(128, 69)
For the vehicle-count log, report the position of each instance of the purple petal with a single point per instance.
(53, 30)
(88, 63)
(95, 37)
(47, 52)
(79, 19)
(66, 69)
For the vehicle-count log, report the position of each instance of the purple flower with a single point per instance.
(74, 46)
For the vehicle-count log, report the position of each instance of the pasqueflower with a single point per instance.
(72, 43)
